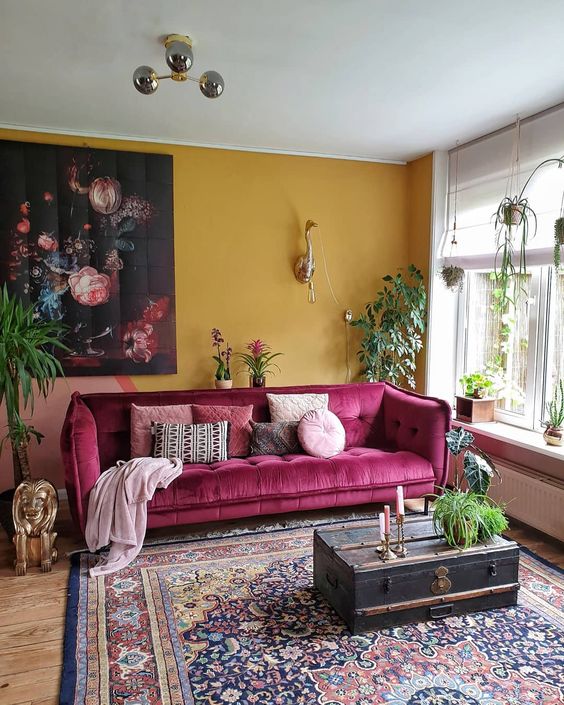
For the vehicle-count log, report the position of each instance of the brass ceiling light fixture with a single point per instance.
(179, 58)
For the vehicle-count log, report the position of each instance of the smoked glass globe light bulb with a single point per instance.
(145, 80)
(211, 84)
(179, 56)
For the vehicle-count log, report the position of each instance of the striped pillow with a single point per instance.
(192, 443)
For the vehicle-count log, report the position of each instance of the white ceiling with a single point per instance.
(378, 79)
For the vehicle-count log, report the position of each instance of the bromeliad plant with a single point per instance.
(465, 517)
(392, 325)
(259, 359)
(223, 357)
(28, 367)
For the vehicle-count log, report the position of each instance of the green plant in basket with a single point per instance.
(466, 516)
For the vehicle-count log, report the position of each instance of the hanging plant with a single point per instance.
(452, 276)
(515, 224)
(558, 241)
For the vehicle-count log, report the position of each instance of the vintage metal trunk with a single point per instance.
(432, 582)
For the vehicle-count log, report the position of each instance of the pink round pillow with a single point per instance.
(321, 433)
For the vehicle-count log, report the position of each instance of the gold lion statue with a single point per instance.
(34, 511)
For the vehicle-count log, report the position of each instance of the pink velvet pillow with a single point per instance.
(321, 433)
(141, 419)
(240, 430)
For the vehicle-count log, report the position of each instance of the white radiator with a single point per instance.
(533, 498)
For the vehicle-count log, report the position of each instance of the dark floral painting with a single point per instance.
(86, 236)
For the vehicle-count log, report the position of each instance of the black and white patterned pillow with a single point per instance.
(192, 443)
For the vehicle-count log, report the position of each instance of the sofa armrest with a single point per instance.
(418, 423)
(79, 448)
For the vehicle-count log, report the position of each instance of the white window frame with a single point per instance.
(538, 339)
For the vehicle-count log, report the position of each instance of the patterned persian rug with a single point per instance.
(237, 620)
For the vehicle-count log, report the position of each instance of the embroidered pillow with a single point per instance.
(291, 407)
(192, 443)
(141, 419)
(321, 433)
(240, 429)
(275, 438)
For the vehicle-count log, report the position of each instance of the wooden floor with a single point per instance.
(32, 608)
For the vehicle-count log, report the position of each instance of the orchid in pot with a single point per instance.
(259, 361)
(223, 360)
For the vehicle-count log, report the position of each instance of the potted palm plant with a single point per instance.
(258, 362)
(465, 517)
(28, 368)
(554, 433)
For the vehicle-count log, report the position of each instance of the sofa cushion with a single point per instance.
(291, 407)
(269, 476)
(275, 438)
(239, 418)
(321, 433)
(192, 443)
(142, 418)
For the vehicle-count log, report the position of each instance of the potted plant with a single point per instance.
(28, 368)
(479, 394)
(392, 325)
(554, 433)
(258, 362)
(465, 517)
(558, 241)
(452, 276)
(515, 223)
(223, 360)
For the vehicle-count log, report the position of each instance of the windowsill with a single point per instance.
(522, 437)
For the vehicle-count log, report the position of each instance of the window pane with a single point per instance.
(498, 342)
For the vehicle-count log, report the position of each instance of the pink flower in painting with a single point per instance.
(47, 242)
(23, 226)
(257, 348)
(139, 341)
(89, 287)
(105, 195)
(48, 197)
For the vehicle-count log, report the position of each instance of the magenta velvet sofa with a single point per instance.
(392, 437)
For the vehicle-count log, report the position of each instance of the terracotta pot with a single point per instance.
(554, 436)
(258, 381)
(223, 383)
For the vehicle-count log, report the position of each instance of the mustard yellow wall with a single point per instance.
(239, 219)
(419, 188)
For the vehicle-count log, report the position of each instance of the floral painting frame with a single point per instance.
(87, 237)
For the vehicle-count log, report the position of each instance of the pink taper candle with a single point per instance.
(399, 504)
(387, 518)
(382, 525)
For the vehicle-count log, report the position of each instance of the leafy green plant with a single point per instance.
(258, 360)
(515, 223)
(492, 520)
(392, 325)
(465, 517)
(477, 384)
(27, 367)
(555, 407)
(558, 241)
(456, 515)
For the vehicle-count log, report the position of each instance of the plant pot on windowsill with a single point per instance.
(475, 410)
(553, 436)
(223, 383)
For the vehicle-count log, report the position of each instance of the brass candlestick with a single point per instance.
(387, 554)
(400, 548)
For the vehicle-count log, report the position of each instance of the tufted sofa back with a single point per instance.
(359, 406)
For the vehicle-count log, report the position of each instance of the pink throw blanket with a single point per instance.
(117, 508)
